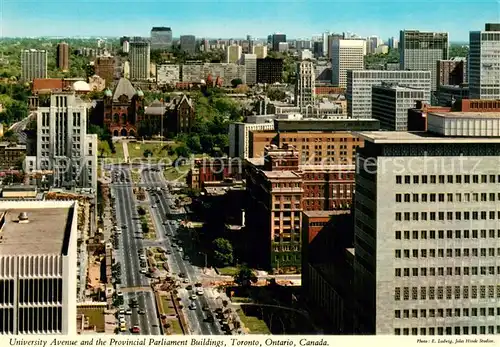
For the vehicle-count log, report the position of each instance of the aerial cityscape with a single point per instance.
(180, 184)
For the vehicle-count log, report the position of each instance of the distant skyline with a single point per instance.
(236, 19)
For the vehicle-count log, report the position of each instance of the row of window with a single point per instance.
(457, 215)
(482, 330)
(448, 252)
(447, 271)
(448, 234)
(442, 179)
(447, 312)
(446, 292)
(447, 197)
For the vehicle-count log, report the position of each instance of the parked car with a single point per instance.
(192, 306)
(136, 329)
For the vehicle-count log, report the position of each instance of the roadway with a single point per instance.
(129, 259)
(162, 199)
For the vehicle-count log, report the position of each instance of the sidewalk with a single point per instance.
(125, 151)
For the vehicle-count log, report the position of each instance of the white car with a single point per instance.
(122, 320)
(143, 271)
(128, 312)
(199, 291)
(154, 206)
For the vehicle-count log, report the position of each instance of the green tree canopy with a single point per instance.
(245, 277)
(223, 251)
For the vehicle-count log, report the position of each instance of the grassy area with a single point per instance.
(228, 270)
(176, 327)
(253, 324)
(118, 152)
(136, 149)
(174, 174)
(241, 299)
(167, 306)
(95, 316)
(136, 176)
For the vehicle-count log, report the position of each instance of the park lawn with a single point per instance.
(241, 299)
(167, 306)
(228, 270)
(176, 327)
(118, 152)
(95, 316)
(175, 174)
(136, 150)
(253, 324)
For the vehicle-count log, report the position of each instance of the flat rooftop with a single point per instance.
(476, 115)
(47, 231)
(403, 137)
(323, 214)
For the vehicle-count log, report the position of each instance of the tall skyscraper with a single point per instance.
(325, 43)
(38, 267)
(63, 144)
(188, 44)
(250, 62)
(233, 54)
(359, 87)
(484, 69)
(33, 64)
(269, 70)
(139, 57)
(305, 86)
(419, 50)
(161, 38)
(63, 56)
(346, 55)
(260, 51)
(276, 40)
(426, 228)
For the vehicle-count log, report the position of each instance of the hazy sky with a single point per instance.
(237, 18)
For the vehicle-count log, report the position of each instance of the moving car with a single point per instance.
(189, 287)
(192, 306)
(199, 291)
(206, 308)
(210, 318)
(136, 329)
(128, 312)
(193, 297)
(186, 280)
(143, 271)
(123, 328)
(141, 311)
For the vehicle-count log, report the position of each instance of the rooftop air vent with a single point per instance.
(23, 217)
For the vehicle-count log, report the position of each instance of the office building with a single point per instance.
(38, 267)
(260, 51)
(449, 94)
(139, 57)
(63, 56)
(304, 85)
(188, 44)
(451, 72)
(104, 67)
(392, 42)
(168, 74)
(11, 155)
(233, 54)
(359, 87)
(426, 228)
(390, 104)
(283, 47)
(161, 38)
(33, 64)
(239, 139)
(419, 51)
(324, 43)
(63, 145)
(305, 54)
(222, 72)
(269, 70)
(250, 62)
(484, 70)
(125, 47)
(346, 55)
(276, 39)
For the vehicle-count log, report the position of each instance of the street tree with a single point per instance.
(245, 277)
(223, 251)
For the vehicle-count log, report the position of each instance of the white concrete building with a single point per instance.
(283, 47)
(359, 87)
(239, 140)
(139, 57)
(125, 47)
(305, 85)
(233, 54)
(346, 55)
(390, 104)
(260, 51)
(194, 73)
(38, 267)
(427, 238)
(33, 64)
(168, 74)
(305, 54)
(420, 50)
(63, 145)
(250, 62)
(484, 66)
